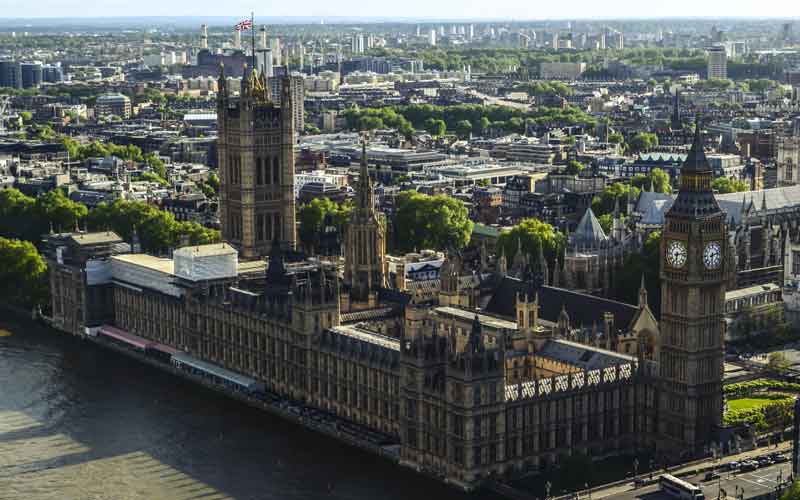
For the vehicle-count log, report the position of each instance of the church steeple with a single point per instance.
(366, 191)
(642, 293)
(365, 248)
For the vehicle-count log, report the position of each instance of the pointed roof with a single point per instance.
(365, 208)
(695, 197)
(589, 232)
(696, 160)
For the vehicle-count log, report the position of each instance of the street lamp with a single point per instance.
(547, 487)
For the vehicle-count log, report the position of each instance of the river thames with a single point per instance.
(78, 422)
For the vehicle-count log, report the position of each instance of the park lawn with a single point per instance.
(751, 402)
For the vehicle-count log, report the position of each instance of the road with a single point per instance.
(755, 483)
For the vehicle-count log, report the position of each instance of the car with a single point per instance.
(779, 459)
(764, 461)
(732, 465)
(711, 475)
(747, 466)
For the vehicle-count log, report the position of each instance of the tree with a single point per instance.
(792, 492)
(532, 234)
(436, 128)
(656, 178)
(158, 230)
(53, 207)
(26, 116)
(311, 217)
(616, 138)
(643, 141)
(724, 185)
(436, 222)
(484, 124)
(574, 167)
(628, 278)
(16, 213)
(153, 177)
(156, 164)
(778, 362)
(464, 129)
(23, 273)
(611, 195)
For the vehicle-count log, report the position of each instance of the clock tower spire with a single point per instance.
(693, 260)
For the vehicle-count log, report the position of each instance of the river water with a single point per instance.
(78, 422)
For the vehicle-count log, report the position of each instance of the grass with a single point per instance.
(753, 401)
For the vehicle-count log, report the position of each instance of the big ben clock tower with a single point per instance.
(693, 259)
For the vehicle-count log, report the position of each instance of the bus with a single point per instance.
(678, 488)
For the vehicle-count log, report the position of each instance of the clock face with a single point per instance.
(676, 254)
(712, 255)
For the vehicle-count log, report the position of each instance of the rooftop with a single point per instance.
(490, 321)
(582, 356)
(210, 250)
(98, 238)
(160, 264)
(354, 331)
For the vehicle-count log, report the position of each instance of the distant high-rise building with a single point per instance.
(31, 74)
(432, 38)
(10, 74)
(357, 44)
(237, 39)
(264, 54)
(52, 73)
(203, 36)
(471, 31)
(276, 51)
(717, 62)
(296, 85)
(113, 104)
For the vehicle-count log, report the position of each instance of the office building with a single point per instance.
(717, 63)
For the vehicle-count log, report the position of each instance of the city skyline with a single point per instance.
(441, 11)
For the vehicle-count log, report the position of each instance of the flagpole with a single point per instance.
(253, 37)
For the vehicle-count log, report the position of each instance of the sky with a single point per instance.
(438, 9)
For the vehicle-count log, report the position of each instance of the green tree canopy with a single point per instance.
(626, 282)
(464, 129)
(26, 218)
(532, 234)
(656, 177)
(604, 203)
(574, 167)
(724, 185)
(311, 217)
(23, 273)
(437, 222)
(158, 230)
(643, 141)
(616, 138)
(435, 127)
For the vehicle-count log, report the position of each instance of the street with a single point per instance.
(755, 483)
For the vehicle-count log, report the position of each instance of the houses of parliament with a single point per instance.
(489, 375)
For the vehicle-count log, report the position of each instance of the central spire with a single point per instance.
(366, 192)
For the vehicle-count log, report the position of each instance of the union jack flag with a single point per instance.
(244, 25)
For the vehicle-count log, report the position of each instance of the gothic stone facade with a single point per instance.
(256, 166)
